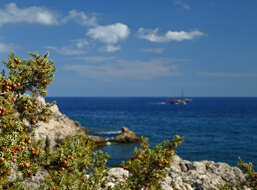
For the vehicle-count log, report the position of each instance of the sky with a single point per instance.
(138, 48)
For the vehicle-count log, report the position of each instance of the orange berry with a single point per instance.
(34, 121)
(26, 164)
(4, 126)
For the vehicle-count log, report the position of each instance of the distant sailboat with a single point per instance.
(181, 100)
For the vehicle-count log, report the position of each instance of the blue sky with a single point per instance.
(138, 48)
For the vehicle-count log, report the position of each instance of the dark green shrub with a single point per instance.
(147, 167)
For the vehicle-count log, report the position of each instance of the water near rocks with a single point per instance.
(218, 129)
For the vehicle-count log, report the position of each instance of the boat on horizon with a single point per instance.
(181, 100)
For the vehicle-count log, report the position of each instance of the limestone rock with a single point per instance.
(126, 136)
(58, 128)
(117, 174)
(203, 175)
(36, 180)
(99, 141)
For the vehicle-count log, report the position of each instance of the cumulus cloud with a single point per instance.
(110, 35)
(67, 50)
(228, 75)
(153, 36)
(122, 69)
(13, 14)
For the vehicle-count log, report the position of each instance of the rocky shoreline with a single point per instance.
(186, 175)
(61, 127)
(182, 175)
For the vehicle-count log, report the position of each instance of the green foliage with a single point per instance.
(147, 167)
(16, 147)
(251, 177)
(251, 174)
(74, 165)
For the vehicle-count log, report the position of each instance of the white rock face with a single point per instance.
(186, 175)
(58, 128)
(116, 175)
(203, 175)
(36, 180)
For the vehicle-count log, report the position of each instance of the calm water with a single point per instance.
(219, 129)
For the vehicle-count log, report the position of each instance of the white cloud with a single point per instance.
(6, 48)
(182, 4)
(40, 15)
(110, 34)
(228, 75)
(153, 50)
(80, 18)
(126, 70)
(13, 14)
(67, 50)
(153, 36)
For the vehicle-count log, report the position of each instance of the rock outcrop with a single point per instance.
(186, 175)
(202, 175)
(59, 128)
(126, 136)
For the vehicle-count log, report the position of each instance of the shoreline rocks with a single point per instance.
(61, 127)
(186, 175)
(126, 136)
(201, 175)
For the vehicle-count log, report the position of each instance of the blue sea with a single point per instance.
(219, 129)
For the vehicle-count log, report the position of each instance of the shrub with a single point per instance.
(20, 113)
(74, 165)
(147, 167)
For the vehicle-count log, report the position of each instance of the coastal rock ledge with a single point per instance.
(126, 136)
(61, 127)
(186, 175)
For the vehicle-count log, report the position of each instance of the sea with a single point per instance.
(218, 129)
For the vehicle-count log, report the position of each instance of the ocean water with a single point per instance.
(219, 129)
